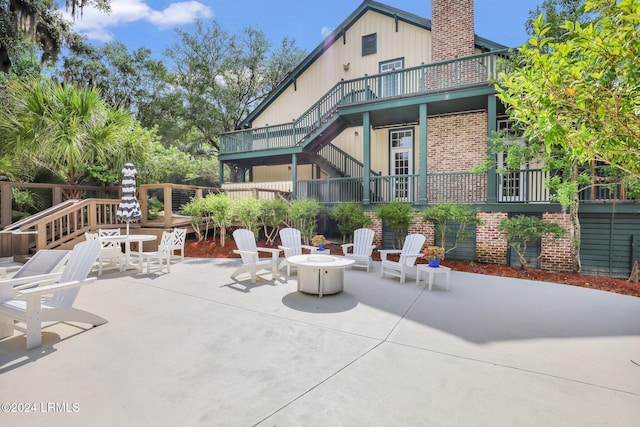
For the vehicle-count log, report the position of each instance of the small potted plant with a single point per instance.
(434, 254)
(318, 241)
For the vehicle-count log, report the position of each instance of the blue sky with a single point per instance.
(151, 24)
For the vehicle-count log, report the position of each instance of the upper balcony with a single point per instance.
(460, 73)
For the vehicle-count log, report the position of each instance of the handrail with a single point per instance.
(65, 223)
(343, 161)
(433, 77)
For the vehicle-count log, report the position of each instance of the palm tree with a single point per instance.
(65, 129)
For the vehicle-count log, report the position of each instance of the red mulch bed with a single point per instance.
(212, 249)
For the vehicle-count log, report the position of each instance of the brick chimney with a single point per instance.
(452, 30)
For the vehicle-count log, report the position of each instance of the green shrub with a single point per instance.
(350, 217)
(196, 210)
(397, 215)
(247, 212)
(220, 209)
(304, 214)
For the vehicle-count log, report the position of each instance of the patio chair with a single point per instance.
(162, 255)
(248, 251)
(361, 248)
(49, 300)
(178, 237)
(406, 264)
(45, 261)
(110, 254)
(291, 240)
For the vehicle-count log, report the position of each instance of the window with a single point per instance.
(369, 44)
(391, 82)
(512, 183)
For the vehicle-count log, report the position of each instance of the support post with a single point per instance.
(422, 199)
(366, 172)
(294, 176)
(492, 183)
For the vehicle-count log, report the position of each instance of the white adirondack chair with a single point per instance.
(162, 256)
(361, 248)
(291, 240)
(406, 264)
(30, 304)
(45, 261)
(248, 251)
(110, 253)
(178, 238)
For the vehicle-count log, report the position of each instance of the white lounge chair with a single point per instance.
(162, 255)
(406, 264)
(45, 261)
(30, 304)
(291, 240)
(110, 255)
(361, 248)
(248, 251)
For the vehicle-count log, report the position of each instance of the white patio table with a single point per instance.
(320, 274)
(127, 239)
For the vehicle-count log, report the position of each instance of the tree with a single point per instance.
(274, 213)
(66, 129)
(218, 78)
(30, 25)
(555, 13)
(522, 230)
(576, 99)
(221, 207)
(129, 80)
(444, 215)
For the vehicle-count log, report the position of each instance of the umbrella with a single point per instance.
(129, 208)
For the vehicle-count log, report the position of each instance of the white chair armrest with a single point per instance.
(271, 250)
(287, 250)
(40, 290)
(254, 255)
(345, 247)
(30, 280)
(275, 253)
(311, 249)
(385, 252)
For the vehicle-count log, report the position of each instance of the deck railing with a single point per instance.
(524, 186)
(447, 75)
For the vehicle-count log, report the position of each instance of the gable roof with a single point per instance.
(484, 44)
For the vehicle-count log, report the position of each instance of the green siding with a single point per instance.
(466, 250)
(606, 246)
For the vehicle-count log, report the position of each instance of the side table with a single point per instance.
(433, 272)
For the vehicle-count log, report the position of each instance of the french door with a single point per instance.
(402, 164)
(391, 84)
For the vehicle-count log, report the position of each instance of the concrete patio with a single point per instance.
(194, 348)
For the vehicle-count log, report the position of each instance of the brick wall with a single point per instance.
(490, 247)
(556, 255)
(376, 226)
(456, 142)
(452, 29)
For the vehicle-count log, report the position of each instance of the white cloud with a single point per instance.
(95, 24)
(325, 31)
